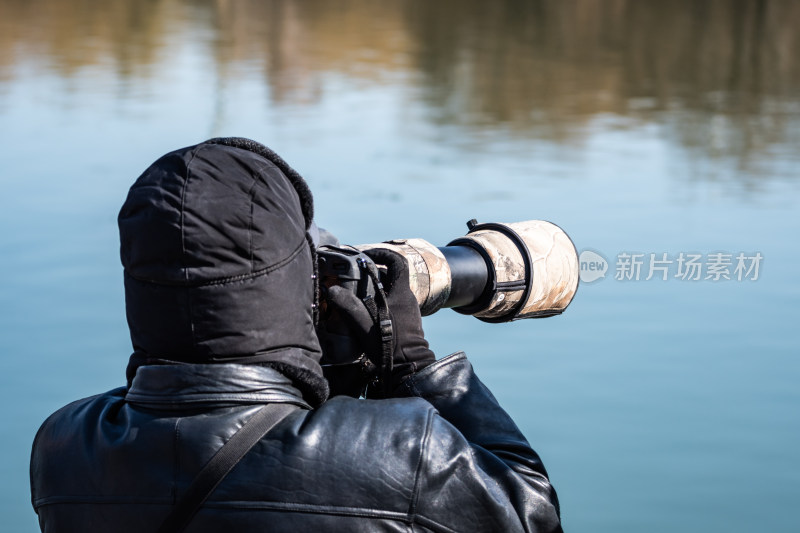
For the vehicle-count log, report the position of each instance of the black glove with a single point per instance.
(410, 351)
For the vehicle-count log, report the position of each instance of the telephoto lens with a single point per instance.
(498, 272)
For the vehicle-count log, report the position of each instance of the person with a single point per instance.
(219, 254)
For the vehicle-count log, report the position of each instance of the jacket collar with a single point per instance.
(189, 385)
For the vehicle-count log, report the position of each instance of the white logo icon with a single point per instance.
(593, 266)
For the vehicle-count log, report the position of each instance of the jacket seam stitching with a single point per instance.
(176, 461)
(266, 506)
(308, 508)
(412, 508)
(330, 510)
(250, 194)
(183, 243)
(89, 500)
(205, 401)
(433, 524)
(258, 273)
(241, 277)
(441, 363)
(183, 214)
(410, 384)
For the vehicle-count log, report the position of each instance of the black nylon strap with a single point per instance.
(222, 463)
(384, 323)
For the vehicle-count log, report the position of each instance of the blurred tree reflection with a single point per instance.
(721, 73)
(70, 35)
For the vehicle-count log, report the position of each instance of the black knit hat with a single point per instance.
(218, 263)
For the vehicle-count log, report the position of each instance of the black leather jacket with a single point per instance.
(444, 458)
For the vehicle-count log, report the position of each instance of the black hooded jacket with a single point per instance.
(220, 298)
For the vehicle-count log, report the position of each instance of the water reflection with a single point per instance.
(719, 75)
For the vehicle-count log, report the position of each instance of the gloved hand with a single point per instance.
(410, 351)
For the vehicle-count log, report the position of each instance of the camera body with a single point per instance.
(342, 266)
(345, 366)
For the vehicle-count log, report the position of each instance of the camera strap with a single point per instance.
(378, 309)
(223, 461)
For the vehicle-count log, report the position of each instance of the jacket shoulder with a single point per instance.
(68, 413)
(56, 436)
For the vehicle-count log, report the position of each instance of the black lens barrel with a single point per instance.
(470, 275)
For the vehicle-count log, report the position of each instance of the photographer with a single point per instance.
(226, 423)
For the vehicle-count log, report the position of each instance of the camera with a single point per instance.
(497, 272)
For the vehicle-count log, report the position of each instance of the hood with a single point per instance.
(219, 264)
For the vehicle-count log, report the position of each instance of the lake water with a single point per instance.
(640, 127)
